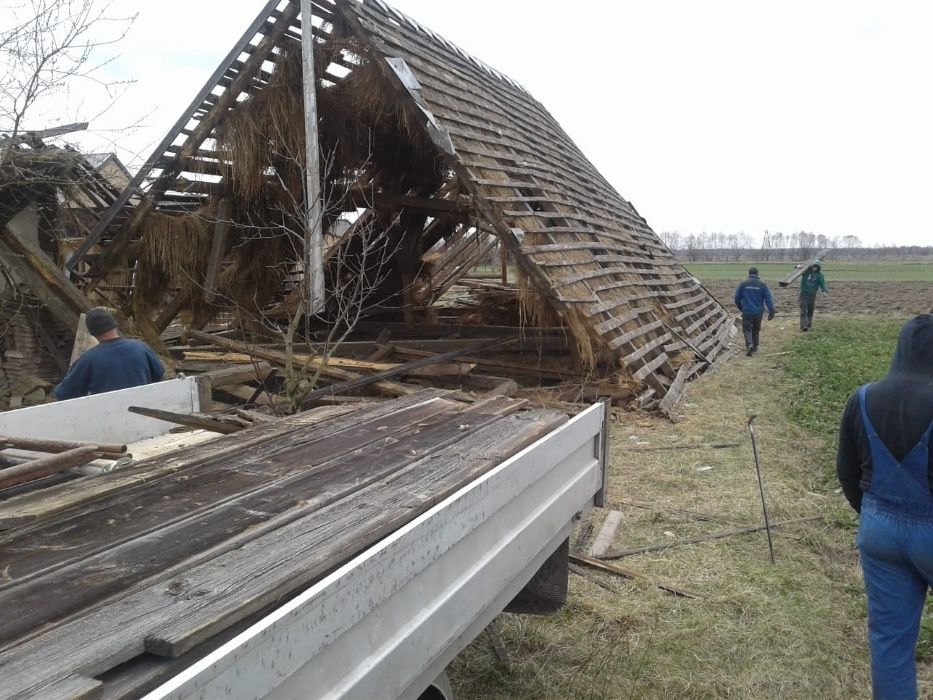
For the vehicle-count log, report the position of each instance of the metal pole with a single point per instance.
(761, 486)
(313, 238)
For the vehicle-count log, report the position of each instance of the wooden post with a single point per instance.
(314, 238)
(218, 248)
(503, 263)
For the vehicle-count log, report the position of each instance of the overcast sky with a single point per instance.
(707, 116)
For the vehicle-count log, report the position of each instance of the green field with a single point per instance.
(883, 271)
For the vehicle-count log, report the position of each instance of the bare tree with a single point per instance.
(47, 47)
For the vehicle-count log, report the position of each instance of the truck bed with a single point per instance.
(120, 581)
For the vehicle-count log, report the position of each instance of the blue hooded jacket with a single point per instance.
(752, 296)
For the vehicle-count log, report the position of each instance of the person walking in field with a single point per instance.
(885, 466)
(751, 297)
(811, 282)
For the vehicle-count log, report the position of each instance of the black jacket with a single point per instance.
(900, 407)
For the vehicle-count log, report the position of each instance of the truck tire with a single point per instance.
(440, 689)
(546, 592)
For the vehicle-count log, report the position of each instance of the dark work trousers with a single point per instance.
(895, 541)
(751, 328)
(807, 306)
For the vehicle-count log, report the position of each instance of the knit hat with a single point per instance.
(99, 321)
(753, 270)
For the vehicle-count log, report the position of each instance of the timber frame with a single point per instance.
(512, 178)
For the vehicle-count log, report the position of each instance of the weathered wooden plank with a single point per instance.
(606, 534)
(164, 619)
(622, 319)
(307, 478)
(677, 387)
(631, 335)
(647, 369)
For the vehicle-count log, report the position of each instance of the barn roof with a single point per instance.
(583, 252)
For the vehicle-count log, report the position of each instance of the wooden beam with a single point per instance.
(406, 368)
(218, 248)
(192, 420)
(802, 267)
(38, 468)
(280, 358)
(43, 278)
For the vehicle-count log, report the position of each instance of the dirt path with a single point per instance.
(794, 630)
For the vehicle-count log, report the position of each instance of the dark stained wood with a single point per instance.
(354, 501)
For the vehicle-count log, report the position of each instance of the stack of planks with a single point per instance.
(123, 579)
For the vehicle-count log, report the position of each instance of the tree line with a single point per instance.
(800, 245)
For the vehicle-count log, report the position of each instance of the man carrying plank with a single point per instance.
(810, 282)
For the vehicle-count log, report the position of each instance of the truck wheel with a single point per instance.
(546, 592)
(440, 689)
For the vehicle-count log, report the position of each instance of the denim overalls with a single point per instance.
(895, 541)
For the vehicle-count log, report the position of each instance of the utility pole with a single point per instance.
(314, 237)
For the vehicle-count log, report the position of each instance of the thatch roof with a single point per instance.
(484, 151)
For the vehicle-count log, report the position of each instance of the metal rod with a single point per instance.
(761, 485)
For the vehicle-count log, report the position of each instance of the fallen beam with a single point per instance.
(280, 358)
(46, 466)
(192, 420)
(406, 368)
(58, 446)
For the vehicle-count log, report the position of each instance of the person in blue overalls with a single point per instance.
(885, 465)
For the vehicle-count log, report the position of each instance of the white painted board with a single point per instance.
(104, 417)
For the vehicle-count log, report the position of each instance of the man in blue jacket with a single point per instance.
(751, 297)
(115, 363)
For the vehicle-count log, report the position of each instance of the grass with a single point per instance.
(845, 271)
(838, 355)
(793, 630)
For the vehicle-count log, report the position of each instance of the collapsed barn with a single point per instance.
(429, 162)
(50, 199)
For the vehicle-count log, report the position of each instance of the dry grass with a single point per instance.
(794, 630)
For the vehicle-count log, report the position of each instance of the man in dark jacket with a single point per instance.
(751, 297)
(885, 467)
(810, 282)
(115, 363)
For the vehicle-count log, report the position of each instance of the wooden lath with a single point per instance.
(591, 251)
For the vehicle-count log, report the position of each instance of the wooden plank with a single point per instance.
(647, 369)
(192, 420)
(33, 508)
(187, 530)
(621, 319)
(231, 586)
(218, 248)
(56, 446)
(802, 267)
(607, 533)
(646, 348)
(677, 386)
(238, 374)
(631, 335)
